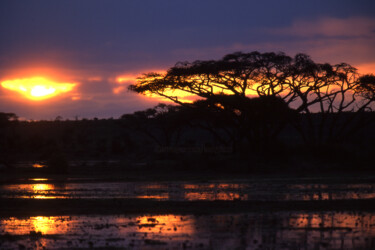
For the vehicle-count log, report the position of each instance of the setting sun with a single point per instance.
(37, 88)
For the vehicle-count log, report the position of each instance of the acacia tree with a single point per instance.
(308, 87)
(163, 123)
(234, 120)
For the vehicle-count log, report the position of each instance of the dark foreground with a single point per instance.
(35, 207)
(254, 213)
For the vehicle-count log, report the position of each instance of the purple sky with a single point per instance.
(93, 43)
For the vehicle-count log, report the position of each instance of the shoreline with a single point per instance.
(12, 207)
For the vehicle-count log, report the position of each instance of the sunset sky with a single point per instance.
(86, 52)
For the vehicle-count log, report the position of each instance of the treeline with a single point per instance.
(168, 132)
(249, 107)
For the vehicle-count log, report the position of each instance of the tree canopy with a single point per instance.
(298, 82)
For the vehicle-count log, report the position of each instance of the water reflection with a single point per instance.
(192, 196)
(166, 225)
(154, 197)
(39, 224)
(34, 191)
(38, 179)
(214, 191)
(36, 165)
(43, 188)
(287, 230)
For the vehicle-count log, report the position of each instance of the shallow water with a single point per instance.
(42, 188)
(281, 230)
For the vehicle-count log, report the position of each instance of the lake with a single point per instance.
(287, 228)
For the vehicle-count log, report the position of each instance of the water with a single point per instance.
(42, 188)
(281, 230)
(253, 230)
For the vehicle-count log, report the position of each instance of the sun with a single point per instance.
(37, 88)
(39, 91)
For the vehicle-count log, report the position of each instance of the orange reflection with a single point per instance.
(222, 191)
(156, 197)
(37, 88)
(41, 191)
(331, 220)
(165, 224)
(36, 165)
(34, 191)
(42, 224)
(48, 225)
(191, 196)
(41, 187)
(38, 179)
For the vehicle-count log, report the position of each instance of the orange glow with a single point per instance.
(181, 95)
(166, 224)
(42, 187)
(35, 191)
(229, 196)
(36, 165)
(38, 179)
(37, 88)
(129, 78)
(321, 220)
(118, 90)
(156, 197)
(211, 192)
(368, 68)
(45, 225)
(76, 98)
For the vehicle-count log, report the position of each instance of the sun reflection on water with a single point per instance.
(191, 196)
(165, 224)
(258, 230)
(34, 191)
(42, 224)
(156, 197)
(37, 165)
(38, 179)
(214, 191)
(331, 220)
(41, 187)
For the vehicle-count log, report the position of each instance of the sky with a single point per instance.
(93, 49)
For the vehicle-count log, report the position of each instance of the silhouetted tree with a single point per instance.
(234, 120)
(298, 83)
(6, 118)
(366, 87)
(210, 117)
(7, 136)
(163, 123)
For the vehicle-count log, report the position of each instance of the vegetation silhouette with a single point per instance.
(253, 112)
(264, 91)
(163, 123)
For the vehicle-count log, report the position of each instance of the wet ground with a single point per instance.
(68, 213)
(247, 190)
(281, 230)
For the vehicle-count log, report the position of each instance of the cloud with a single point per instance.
(352, 27)
(331, 40)
(367, 68)
(105, 48)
